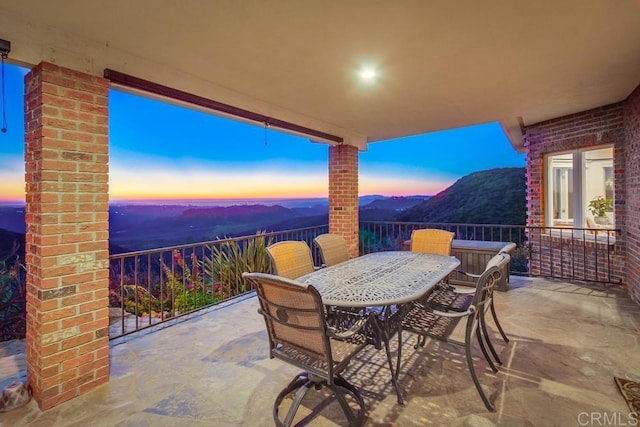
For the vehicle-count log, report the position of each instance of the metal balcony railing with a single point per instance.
(153, 286)
(149, 287)
(583, 254)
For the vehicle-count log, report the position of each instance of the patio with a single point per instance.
(567, 343)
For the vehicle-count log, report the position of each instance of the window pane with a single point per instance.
(561, 189)
(597, 184)
(608, 182)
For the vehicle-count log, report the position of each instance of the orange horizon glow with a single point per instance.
(196, 197)
(388, 188)
(150, 181)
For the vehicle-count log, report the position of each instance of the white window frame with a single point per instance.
(579, 205)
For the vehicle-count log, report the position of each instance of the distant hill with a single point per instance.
(495, 196)
(12, 218)
(7, 240)
(388, 208)
(395, 203)
(139, 229)
(365, 200)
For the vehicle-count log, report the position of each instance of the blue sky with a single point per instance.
(159, 150)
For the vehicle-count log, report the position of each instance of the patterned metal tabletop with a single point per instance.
(380, 278)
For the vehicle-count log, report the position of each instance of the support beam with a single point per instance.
(179, 95)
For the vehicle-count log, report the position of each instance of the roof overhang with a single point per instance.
(441, 65)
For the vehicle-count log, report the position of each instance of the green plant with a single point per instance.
(140, 302)
(12, 296)
(599, 206)
(186, 284)
(229, 259)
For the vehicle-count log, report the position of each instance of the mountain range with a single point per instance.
(495, 196)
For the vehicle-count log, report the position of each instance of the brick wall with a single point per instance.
(599, 126)
(575, 258)
(343, 194)
(632, 169)
(66, 154)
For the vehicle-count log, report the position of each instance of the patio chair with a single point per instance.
(459, 299)
(431, 241)
(333, 249)
(439, 321)
(290, 258)
(299, 334)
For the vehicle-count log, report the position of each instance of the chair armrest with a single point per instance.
(454, 314)
(332, 332)
(444, 286)
(465, 291)
(475, 276)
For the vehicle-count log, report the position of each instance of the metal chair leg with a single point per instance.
(399, 357)
(474, 375)
(421, 342)
(338, 386)
(495, 319)
(484, 350)
(303, 383)
(483, 325)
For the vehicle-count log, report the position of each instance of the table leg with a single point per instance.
(384, 329)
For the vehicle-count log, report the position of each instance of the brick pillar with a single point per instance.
(67, 255)
(343, 194)
(632, 187)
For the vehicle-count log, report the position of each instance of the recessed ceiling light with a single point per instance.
(368, 74)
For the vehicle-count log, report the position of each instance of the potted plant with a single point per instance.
(599, 207)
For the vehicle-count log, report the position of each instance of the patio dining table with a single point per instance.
(380, 278)
(380, 281)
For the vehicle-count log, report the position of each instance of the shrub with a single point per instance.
(229, 259)
(12, 296)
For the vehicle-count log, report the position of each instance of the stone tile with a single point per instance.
(567, 341)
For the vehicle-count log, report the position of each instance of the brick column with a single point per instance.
(632, 187)
(67, 255)
(343, 194)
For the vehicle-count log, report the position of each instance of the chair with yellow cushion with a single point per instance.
(438, 320)
(431, 241)
(290, 258)
(300, 335)
(333, 249)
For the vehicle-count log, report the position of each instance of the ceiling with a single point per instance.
(441, 64)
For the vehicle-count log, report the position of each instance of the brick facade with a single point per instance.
(617, 124)
(590, 128)
(66, 155)
(343, 194)
(632, 185)
(566, 256)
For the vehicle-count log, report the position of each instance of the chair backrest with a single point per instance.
(333, 249)
(431, 241)
(294, 315)
(290, 258)
(488, 279)
(506, 249)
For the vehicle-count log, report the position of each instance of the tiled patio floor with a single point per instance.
(567, 343)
